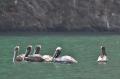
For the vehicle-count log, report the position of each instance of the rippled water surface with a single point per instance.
(84, 48)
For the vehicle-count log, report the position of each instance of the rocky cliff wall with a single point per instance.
(60, 15)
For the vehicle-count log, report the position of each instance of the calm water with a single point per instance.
(84, 48)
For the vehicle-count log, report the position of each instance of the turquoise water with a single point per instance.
(84, 48)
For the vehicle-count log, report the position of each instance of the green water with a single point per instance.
(84, 48)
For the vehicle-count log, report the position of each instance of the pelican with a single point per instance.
(48, 58)
(59, 59)
(36, 57)
(102, 59)
(21, 57)
(62, 59)
(65, 59)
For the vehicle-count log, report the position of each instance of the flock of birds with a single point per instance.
(37, 57)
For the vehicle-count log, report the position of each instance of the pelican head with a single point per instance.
(58, 48)
(38, 46)
(103, 51)
(16, 50)
(57, 52)
(37, 49)
(28, 50)
(102, 47)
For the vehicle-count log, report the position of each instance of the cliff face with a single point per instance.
(60, 15)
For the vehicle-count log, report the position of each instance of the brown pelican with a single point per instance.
(36, 57)
(48, 58)
(102, 59)
(62, 59)
(21, 57)
(59, 59)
